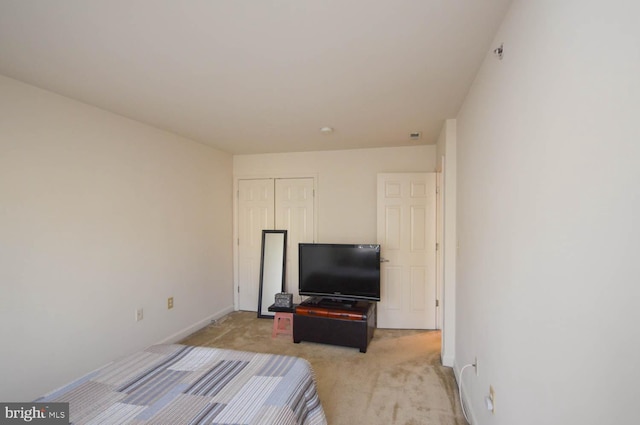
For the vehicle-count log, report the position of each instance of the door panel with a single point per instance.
(392, 217)
(406, 233)
(418, 229)
(418, 288)
(255, 213)
(295, 213)
(392, 287)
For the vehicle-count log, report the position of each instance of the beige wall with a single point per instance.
(346, 183)
(548, 206)
(99, 216)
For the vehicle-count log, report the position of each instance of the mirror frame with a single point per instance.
(269, 293)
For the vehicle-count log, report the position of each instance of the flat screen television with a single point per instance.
(339, 271)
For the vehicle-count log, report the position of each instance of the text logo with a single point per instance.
(34, 413)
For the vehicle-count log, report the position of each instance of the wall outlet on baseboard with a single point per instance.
(139, 314)
(170, 303)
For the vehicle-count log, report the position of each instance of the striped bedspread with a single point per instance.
(177, 384)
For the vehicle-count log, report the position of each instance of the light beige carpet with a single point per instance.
(398, 381)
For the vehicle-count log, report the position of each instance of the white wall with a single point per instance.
(100, 215)
(548, 207)
(346, 183)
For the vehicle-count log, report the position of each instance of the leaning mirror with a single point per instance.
(272, 269)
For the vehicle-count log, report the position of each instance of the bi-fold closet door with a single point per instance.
(268, 204)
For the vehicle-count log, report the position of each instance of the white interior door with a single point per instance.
(255, 213)
(407, 235)
(295, 213)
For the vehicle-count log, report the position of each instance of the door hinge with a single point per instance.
(437, 246)
(437, 190)
(238, 289)
(238, 241)
(437, 303)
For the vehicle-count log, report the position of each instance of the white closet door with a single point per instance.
(295, 213)
(267, 204)
(406, 233)
(255, 213)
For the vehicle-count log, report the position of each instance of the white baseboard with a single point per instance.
(172, 339)
(448, 360)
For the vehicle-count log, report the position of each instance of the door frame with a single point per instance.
(236, 229)
(440, 244)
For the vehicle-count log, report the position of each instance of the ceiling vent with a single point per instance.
(415, 135)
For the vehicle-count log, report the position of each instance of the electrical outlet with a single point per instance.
(475, 365)
(492, 397)
(170, 303)
(139, 314)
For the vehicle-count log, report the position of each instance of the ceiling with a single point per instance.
(258, 76)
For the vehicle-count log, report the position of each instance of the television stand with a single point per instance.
(347, 326)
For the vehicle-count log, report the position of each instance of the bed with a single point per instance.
(178, 384)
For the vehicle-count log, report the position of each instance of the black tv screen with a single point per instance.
(340, 271)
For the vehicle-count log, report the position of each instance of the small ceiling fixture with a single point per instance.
(415, 135)
(326, 130)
